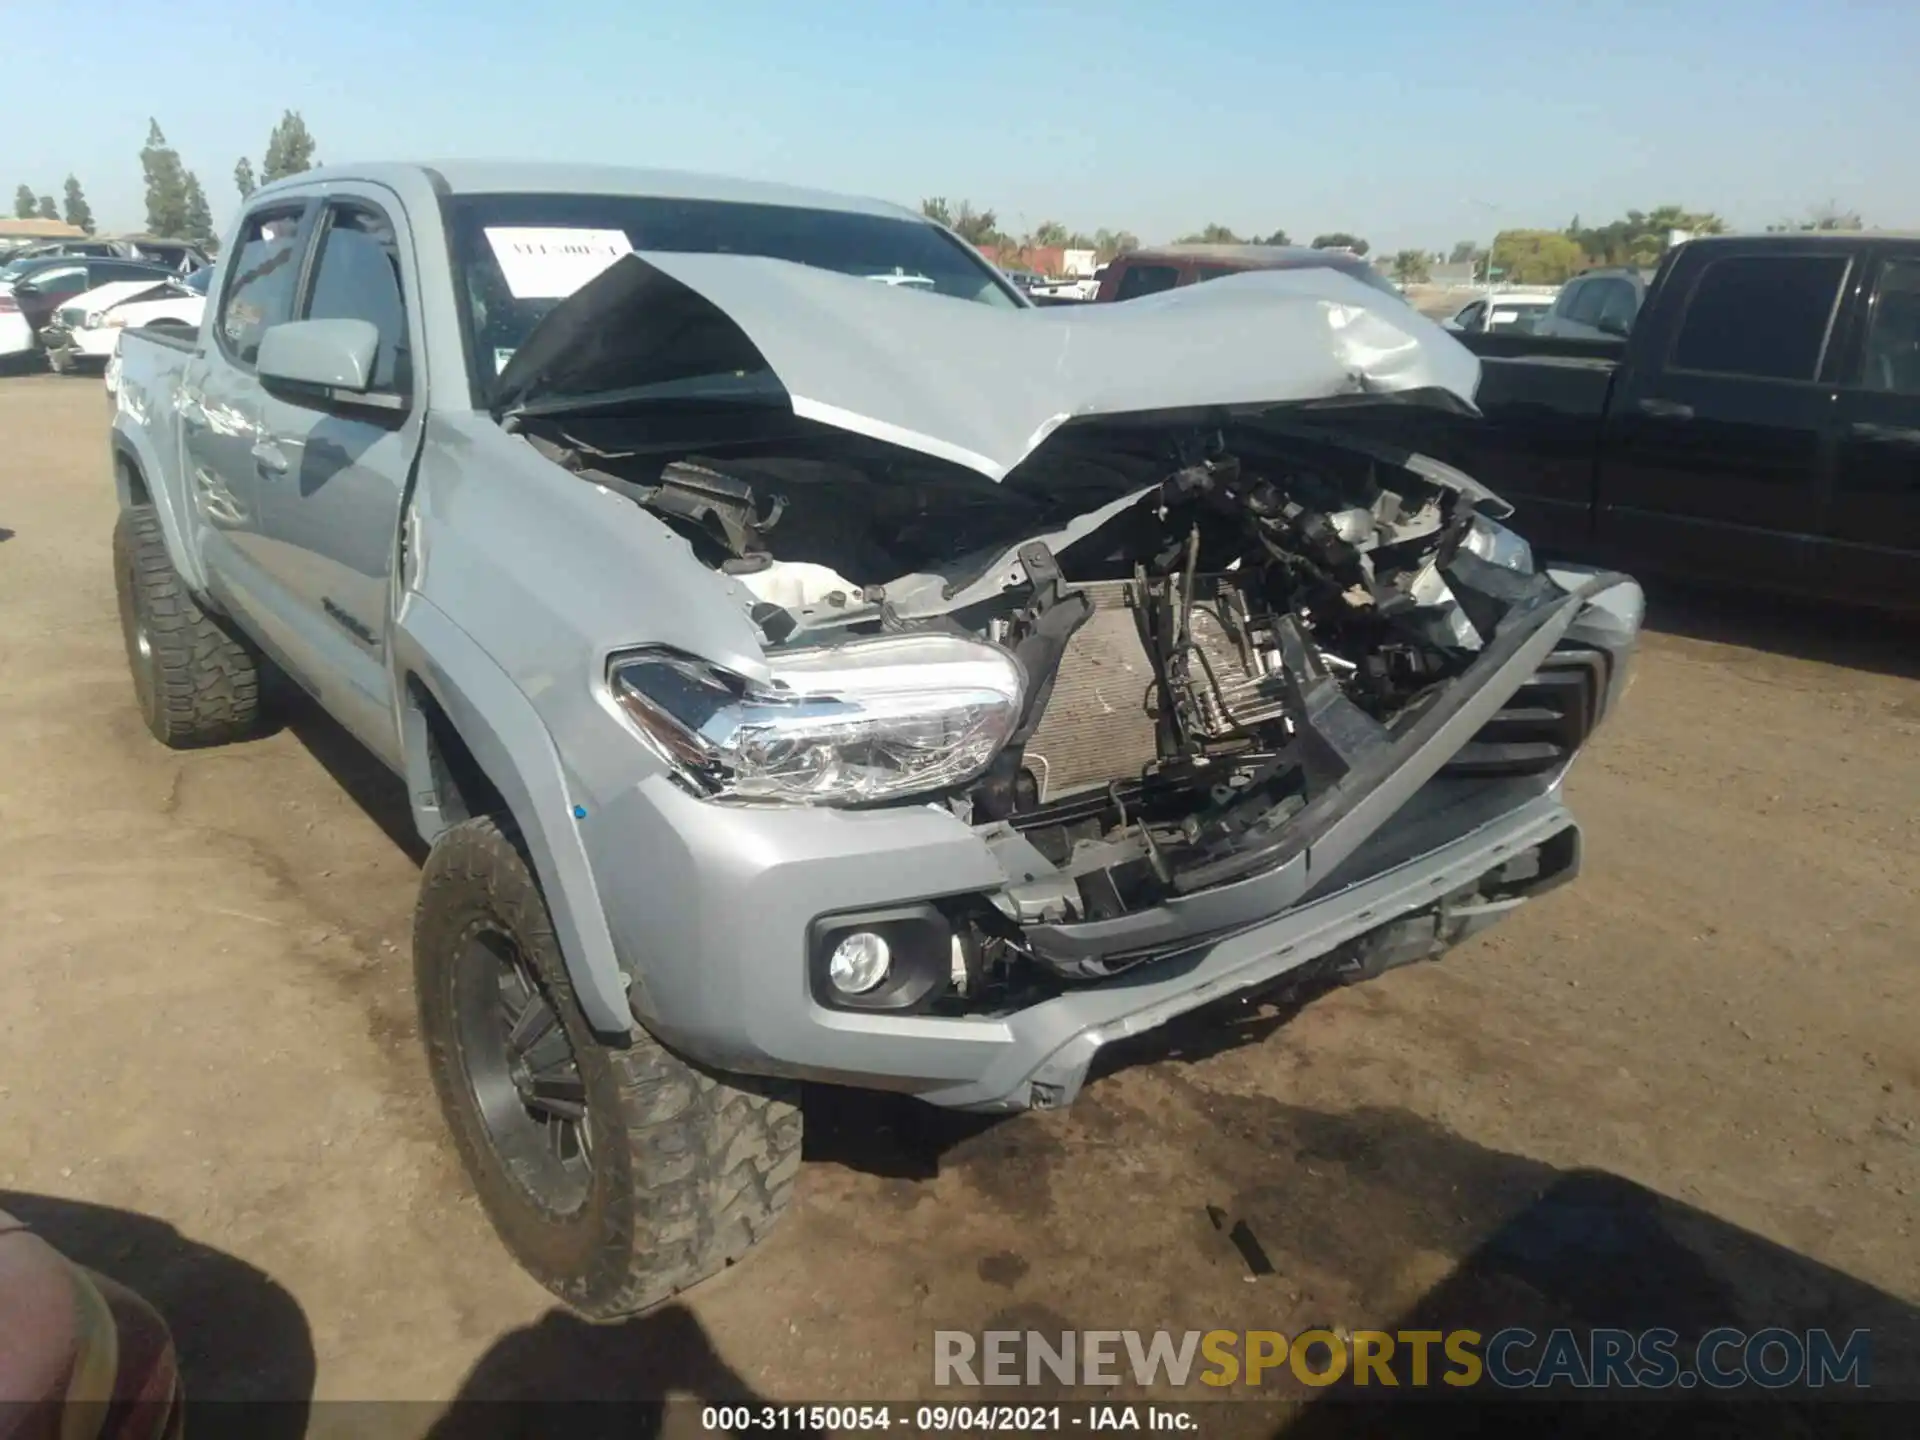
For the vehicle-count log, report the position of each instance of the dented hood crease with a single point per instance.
(979, 385)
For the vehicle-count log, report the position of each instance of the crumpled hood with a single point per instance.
(976, 384)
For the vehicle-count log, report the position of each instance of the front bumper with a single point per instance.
(710, 907)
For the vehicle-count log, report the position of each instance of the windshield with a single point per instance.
(515, 257)
(198, 281)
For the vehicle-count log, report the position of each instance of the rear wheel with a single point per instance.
(195, 681)
(616, 1173)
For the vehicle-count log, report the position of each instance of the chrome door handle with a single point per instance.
(1665, 409)
(271, 459)
(1885, 434)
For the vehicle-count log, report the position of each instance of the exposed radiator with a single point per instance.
(1099, 724)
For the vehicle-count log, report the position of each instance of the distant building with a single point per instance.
(16, 231)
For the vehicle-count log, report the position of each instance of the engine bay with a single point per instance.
(1216, 622)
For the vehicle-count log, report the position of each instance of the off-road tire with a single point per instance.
(196, 682)
(689, 1168)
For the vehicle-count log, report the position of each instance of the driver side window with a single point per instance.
(357, 277)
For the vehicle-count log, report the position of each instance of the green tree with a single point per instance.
(24, 203)
(1535, 257)
(1278, 237)
(78, 211)
(1048, 233)
(976, 227)
(1412, 267)
(289, 149)
(1340, 240)
(1824, 217)
(47, 209)
(1109, 243)
(1463, 251)
(166, 185)
(1215, 234)
(1640, 237)
(197, 224)
(243, 177)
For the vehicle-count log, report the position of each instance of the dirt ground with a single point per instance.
(1682, 1091)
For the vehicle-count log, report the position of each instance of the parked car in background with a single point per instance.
(1024, 280)
(1597, 305)
(16, 335)
(1166, 267)
(178, 255)
(1760, 427)
(1501, 314)
(38, 287)
(85, 332)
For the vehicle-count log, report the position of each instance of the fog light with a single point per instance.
(859, 962)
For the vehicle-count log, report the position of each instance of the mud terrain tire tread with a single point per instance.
(691, 1168)
(202, 684)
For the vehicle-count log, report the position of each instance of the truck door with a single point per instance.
(1870, 546)
(1711, 454)
(220, 404)
(334, 468)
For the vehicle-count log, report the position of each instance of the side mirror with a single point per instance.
(1611, 325)
(320, 354)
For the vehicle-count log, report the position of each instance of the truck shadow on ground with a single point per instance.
(1377, 1218)
(245, 1349)
(354, 768)
(1803, 629)
(563, 1376)
(1590, 1250)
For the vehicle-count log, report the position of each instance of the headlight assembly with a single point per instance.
(1497, 545)
(837, 725)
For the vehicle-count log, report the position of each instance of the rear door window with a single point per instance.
(1765, 316)
(260, 291)
(59, 280)
(1146, 280)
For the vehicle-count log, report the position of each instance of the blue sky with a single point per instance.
(1409, 124)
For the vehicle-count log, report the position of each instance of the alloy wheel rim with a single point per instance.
(522, 1072)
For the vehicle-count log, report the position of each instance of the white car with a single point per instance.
(1513, 314)
(16, 335)
(86, 330)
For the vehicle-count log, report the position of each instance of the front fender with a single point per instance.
(505, 734)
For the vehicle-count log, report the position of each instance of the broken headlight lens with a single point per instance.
(1497, 545)
(837, 725)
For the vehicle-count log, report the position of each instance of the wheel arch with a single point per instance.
(140, 479)
(473, 741)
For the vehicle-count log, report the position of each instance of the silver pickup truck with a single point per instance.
(808, 661)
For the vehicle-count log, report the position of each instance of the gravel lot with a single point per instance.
(1684, 1091)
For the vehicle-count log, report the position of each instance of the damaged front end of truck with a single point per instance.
(1129, 590)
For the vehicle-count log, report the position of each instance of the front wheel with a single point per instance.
(617, 1174)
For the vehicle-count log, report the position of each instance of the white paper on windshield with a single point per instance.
(550, 263)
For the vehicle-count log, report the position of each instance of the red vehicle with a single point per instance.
(1147, 272)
